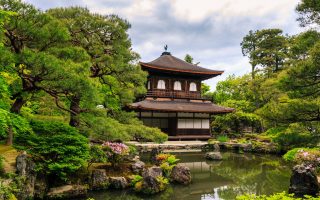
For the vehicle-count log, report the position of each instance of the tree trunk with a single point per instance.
(17, 105)
(10, 136)
(75, 107)
(252, 71)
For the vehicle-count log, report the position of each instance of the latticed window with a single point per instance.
(193, 87)
(161, 84)
(177, 85)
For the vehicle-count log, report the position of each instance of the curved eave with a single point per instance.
(214, 73)
(190, 111)
(168, 107)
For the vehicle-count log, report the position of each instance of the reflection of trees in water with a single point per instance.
(252, 174)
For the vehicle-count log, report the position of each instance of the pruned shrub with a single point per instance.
(58, 149)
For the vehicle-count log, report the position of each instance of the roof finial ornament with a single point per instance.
(165, 48)
(166, 51)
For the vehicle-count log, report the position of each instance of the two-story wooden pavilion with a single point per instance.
(173, 102)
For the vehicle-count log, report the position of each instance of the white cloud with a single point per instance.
(208, 30)
(196, 11)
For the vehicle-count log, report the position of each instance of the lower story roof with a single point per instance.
(179, 106)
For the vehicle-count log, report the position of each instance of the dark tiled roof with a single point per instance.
(171, 63)
(180, 106)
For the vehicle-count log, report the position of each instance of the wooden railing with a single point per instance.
(175, 94)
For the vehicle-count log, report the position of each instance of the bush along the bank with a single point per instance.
(58, 149)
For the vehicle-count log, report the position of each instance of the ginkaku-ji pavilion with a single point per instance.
(173, 101)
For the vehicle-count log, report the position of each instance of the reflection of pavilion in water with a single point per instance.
(203, 175)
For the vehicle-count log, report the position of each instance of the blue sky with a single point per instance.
(208, 30)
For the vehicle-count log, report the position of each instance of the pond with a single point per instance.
(217, 180)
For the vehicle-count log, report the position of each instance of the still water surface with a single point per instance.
(217, 180)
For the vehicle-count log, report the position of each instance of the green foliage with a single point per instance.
(7, 190)
(167, 162)
(223, 138)
(188, 59)
(97, 155)
(291, 155)
(267, 48)
(12, 122)
(58, 149)
(109, 129)
(309, 11)
(143, 133)
(278, 196)
(296, 135)
(163, 182)
(1, 165)
(136, 179)
(304, 155)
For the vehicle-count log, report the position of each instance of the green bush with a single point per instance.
(108, 129)
(291, 155)
(1, 165)
(135, 179)
(57, 148)
(223, 138)
(295, 136)
(144, 133)
(278, 196)
(167, 162)
(97, 155)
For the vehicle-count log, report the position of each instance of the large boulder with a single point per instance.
(118, 182)
(26, 169)
(138, 167)
(99, 179)
(67, 192)
(303, 181)
(151, 183)
(213, 156)
(180, 174)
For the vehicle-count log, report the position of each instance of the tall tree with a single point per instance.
(30, 39)
(248, 45)
(113, 63)
(267, 48)
(309, 11)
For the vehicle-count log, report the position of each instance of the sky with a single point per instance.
(209, 30)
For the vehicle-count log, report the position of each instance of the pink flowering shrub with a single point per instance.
(115, 152)
(308, 156)
(304, 155)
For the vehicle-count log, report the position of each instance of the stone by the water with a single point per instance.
(150, 180)
(213, 156)
(181, 174)
(118, 182)
(67, 191)
(304, 181)
(138, 167)
(99, 179)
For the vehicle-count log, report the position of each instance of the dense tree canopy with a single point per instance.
(309, 11)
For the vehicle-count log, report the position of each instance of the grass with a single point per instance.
(9, 154)
(223, 138)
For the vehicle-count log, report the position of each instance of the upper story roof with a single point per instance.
(168, 63)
